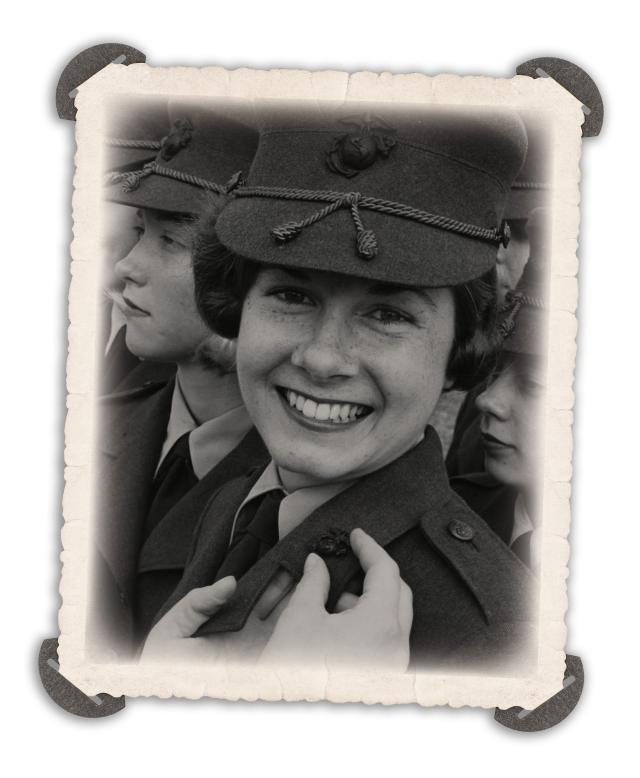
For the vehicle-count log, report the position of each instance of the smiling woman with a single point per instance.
(344, 347)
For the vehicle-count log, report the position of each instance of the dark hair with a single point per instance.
(223, 279)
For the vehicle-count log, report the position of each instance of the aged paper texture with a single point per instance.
(562, 118)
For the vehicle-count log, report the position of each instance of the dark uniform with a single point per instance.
(130, 448)
(469, 591)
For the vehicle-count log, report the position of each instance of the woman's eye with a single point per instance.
(529, 385)
(390, 316)
(139, 230)
(172, 242)
(291, 296)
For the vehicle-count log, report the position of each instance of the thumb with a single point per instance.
(193, 610)
(313, 589)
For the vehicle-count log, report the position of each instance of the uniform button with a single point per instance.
(461, 530)
(123, 598)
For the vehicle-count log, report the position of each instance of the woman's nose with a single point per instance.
(133, 266)
(326, 354)
(495, 400)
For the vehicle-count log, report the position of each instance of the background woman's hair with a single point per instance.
(223, 279)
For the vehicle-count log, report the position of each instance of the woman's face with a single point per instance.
(157, 295)
(510, 424)
(340, 375)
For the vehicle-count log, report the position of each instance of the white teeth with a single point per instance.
(309, 409)
(336, 412)
(323, 411)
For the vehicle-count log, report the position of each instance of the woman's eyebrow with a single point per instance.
(390, 289)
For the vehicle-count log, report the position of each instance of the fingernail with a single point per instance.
(310, 563)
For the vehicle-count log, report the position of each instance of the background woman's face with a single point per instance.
(340, 375)
(158, 291)
(510, 424)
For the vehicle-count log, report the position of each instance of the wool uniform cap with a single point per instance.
(203, 151)
(531, 187)
(135, 135)
(524, 318)
(415, 198)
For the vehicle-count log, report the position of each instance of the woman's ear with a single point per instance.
(448, 384)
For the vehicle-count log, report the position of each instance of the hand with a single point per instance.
(170, 639)
(372, 634)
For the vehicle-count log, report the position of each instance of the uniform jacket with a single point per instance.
(489, 498)
(468, 588)
(133, 429)
(466, 454)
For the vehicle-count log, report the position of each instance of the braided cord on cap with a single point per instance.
(131, 181)
(532, 185)
(125, 143)
(514, 301)
(366, 241)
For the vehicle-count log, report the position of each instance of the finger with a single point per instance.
(346, 602)
(194, 609)
(313, 589)
(382, 577)
(280, 586)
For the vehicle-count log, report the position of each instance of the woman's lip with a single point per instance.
(491, 441)
(134, 309)
(316, 424)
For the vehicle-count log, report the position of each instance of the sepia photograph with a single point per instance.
(323, 450)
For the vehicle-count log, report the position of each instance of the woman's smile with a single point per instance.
(329, 413)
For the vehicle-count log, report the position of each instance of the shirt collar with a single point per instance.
(297, 505)
(210, 442)
(521, 520)
(116, 323)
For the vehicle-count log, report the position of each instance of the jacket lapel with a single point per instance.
(168, 545)
(132, 438)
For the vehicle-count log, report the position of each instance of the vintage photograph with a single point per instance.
(322, 436)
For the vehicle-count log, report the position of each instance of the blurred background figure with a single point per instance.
(138, 142)
(175, 428)
(507, 491)
(529, 191)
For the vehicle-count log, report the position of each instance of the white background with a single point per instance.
(161, 738)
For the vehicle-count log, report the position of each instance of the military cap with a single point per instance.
(524, 317)
(204, 150)
(135, 135)
(531, 187)
(413, 198)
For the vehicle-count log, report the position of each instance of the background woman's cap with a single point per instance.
(524, 318)
(135, 135)
(201, 151)
(531, 188)
(414, 198)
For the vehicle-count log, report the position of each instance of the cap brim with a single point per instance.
(161, 194)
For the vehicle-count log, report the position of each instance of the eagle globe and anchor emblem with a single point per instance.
(370, 139)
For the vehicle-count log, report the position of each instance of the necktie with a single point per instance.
(175, 477)
(256, 533)
(521, 547)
